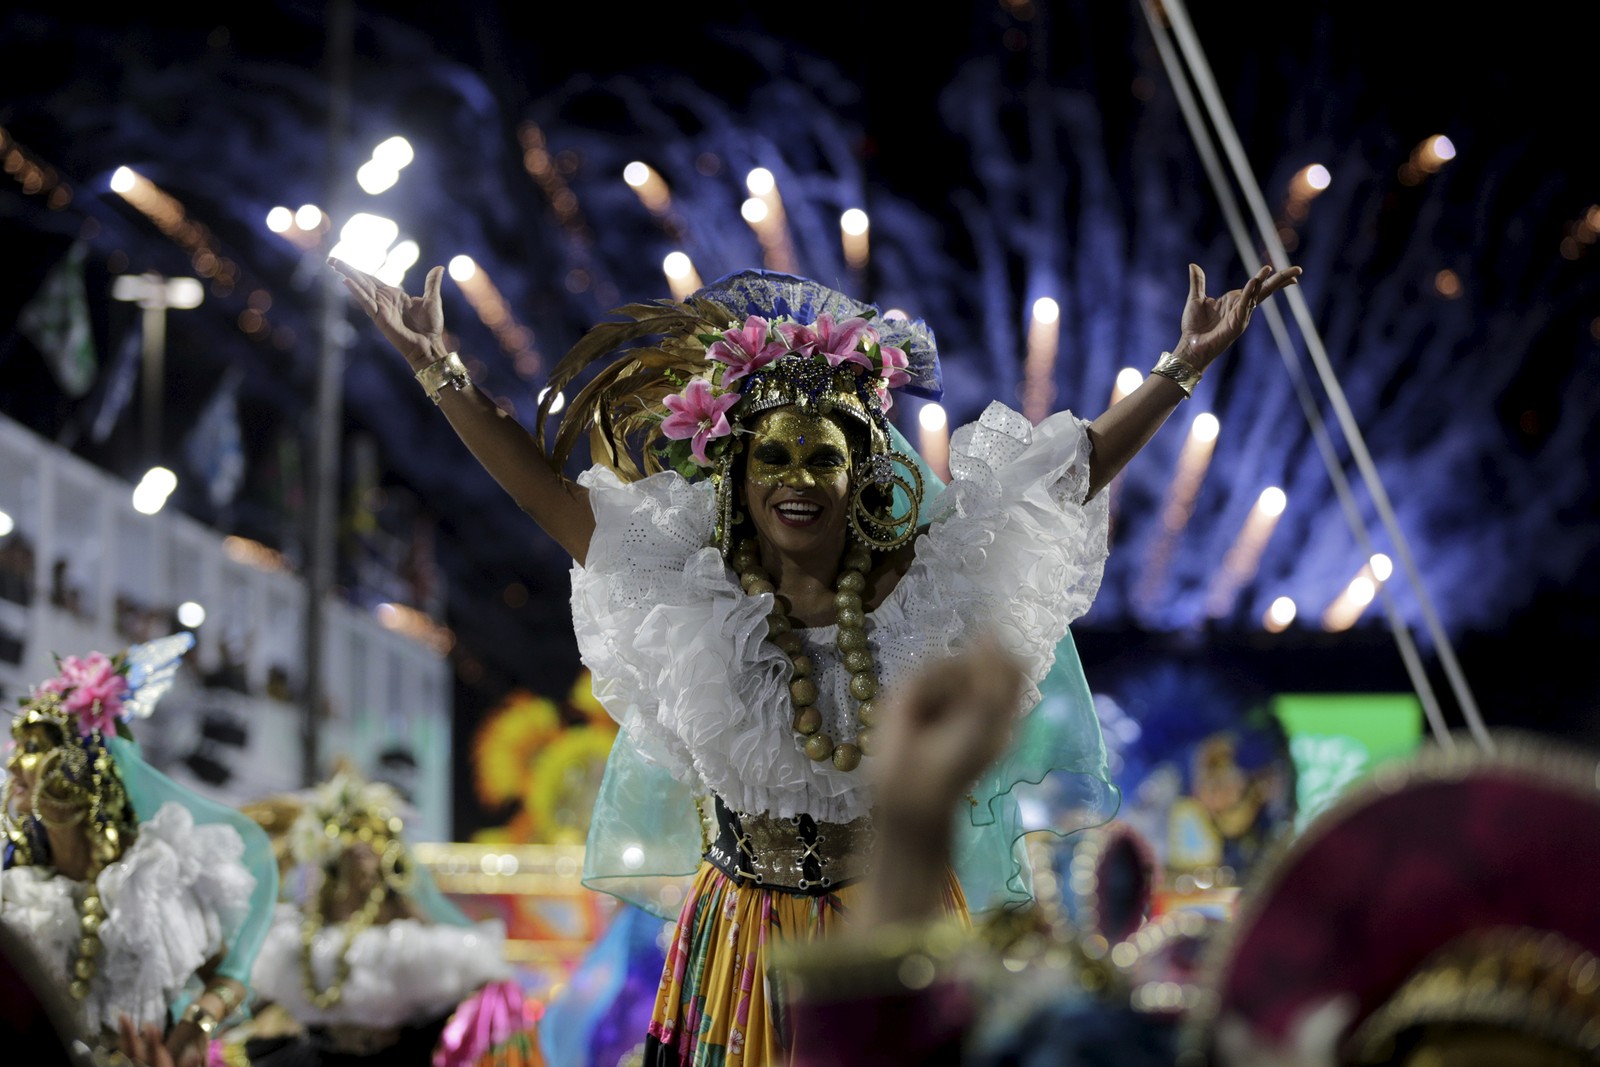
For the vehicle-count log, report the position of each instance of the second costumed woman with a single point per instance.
(756, 564)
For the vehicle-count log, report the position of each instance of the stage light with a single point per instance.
(462, 268)
(1205, 427)
(150, 495)
(122, 180)
(760, 182)
(394, 153)
(932, 417)
(309, 217)
(1279, 615)
(682, 278)
(1128, 379)
(7, 524)
(555, 405)
(754, 210)
(375, 177)
(1440, 148)
(853, 222)
(1317, 177)
(279, 219)
(636, 174)
(1272, 501)
(401, 258)
(191, 614)
(364, 241)
(1046, 311)
(633, 857)
(1382, 567)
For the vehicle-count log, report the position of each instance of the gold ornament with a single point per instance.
(851, 642)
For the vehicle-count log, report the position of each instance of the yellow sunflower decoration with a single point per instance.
(546, 758)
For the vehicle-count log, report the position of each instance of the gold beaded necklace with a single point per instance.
(327, 998)
(851, 641)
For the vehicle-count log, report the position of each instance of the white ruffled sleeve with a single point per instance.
(170, 903)
(1013, 546)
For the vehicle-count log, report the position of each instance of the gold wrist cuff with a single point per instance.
(1171, 366)
(196, 1013)
(441, 373)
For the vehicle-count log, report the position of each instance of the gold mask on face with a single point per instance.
(797, 451)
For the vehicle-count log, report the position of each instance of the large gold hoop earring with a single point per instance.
(398, 872)
(884, 530)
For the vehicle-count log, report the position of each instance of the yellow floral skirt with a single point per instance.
(715, 1007)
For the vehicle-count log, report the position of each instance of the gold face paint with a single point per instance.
(797, 451)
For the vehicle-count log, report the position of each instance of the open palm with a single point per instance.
(411, 323)
(1211, 324)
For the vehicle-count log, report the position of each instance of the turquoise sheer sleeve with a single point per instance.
(148, 789)
(644, 841)
(435, 905)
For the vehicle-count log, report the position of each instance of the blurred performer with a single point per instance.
(146, 902)
(373, 961)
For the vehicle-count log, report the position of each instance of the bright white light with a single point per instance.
(462, 268)
(1382, 566)
(1442, 147)
(122, 180)
(853, 222)
(401, 258)
(1046, 310)
(393, 153)
(184, 293)
(677, 265)
(1282, 611)
(375, 177)
(1129, 379)
(191, 614)
(1205, 427)
(636, 173)
(6, 524)
(555, 405)
(1361, 590)
(932, 417)
(309, 217)
(364, 241)
(754, 211)
(895, 315)
(633, 857)
(760, 182)
(279, 219)
(1317, 177)
(1272, 501)
(150, 495)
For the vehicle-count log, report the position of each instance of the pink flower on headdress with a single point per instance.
(885, 398)
(91, 689)
(745, 350)
(895, 366)
(699, 417)
(838, 343)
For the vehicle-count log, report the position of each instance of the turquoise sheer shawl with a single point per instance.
(645, 837)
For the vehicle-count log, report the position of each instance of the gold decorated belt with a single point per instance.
(794, 855)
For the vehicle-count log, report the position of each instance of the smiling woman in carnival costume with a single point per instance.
(759, 555)
(146, 902)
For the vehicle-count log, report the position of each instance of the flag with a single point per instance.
(215, 447)
(56, 320)
(116, 385)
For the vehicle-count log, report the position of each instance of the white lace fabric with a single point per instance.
(678, 651)
(401, 972)
(170, 903)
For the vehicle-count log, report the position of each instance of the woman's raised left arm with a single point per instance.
(1209, 325)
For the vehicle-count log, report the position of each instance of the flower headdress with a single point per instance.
(61, 732)
(746, 344)
(346, 811)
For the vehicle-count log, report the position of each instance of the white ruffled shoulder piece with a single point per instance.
(401, 972)
(171, 901)
(1013, 546)
(678, 651)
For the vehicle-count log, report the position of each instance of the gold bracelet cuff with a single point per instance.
(1171, 366)
(448, 372)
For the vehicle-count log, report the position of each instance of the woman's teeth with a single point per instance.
(799, 511)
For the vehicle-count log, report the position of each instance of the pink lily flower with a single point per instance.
(698, 417)
(895, 366)
(838, 343)
(92, 690)
(885, 398)
(746, 350)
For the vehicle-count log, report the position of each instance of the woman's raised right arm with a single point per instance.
(415, 326)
